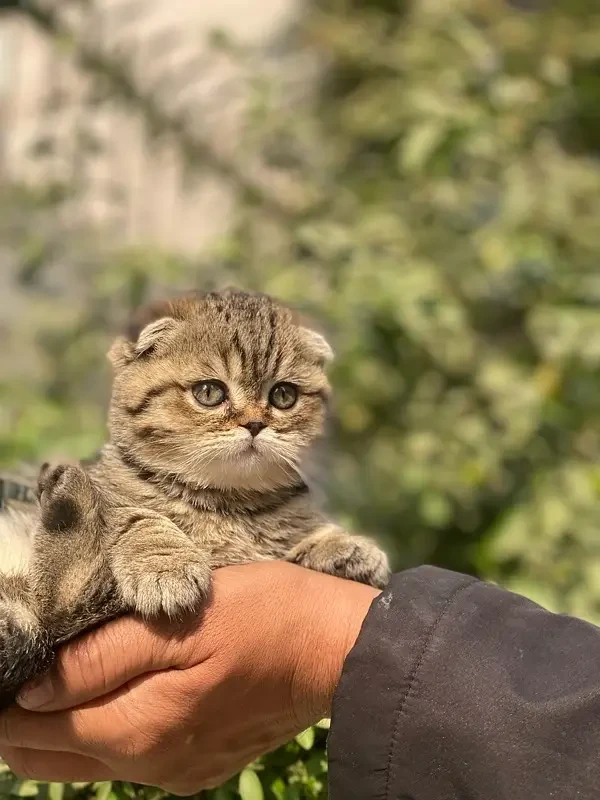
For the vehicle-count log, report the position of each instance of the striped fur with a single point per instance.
(180, 488)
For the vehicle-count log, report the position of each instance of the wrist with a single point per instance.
(333, 613)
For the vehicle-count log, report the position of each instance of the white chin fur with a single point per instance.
(246, 473)
(16, 542)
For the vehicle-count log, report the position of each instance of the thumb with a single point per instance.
(100, 662)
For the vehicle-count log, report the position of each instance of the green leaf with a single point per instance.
(306, 739)
(250, 787)
(420, 144)
(123, 790)
(26, 789)
(324, 724)
(102, 790)
(278, 789)
(56, 791)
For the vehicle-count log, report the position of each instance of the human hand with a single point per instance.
(186, 707)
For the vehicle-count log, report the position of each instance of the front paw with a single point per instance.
(67, 497)
(161, 583)
(337, 553)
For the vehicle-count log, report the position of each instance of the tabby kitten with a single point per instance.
(216, 401)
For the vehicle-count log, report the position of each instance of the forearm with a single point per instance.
(457, 688)
(326, 627)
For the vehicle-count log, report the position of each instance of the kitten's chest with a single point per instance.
(240, 538)
(232, 539)
(238, 541)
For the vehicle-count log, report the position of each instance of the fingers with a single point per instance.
(99, 663)
(120, 726)
(78, 731)
(44, 765)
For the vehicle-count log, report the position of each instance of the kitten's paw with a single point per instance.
(157, 568)
(67, 496)
(337, 553)
(165, 586)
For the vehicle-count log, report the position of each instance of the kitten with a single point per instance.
(216, 401)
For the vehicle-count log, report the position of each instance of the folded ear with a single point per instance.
(124, 351)
(153, 334)
(318, 346)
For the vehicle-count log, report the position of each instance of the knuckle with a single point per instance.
(85, 662)
(79, 659)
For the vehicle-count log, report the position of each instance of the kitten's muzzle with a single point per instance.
(254, 427)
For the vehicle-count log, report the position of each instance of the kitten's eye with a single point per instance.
(210, 393)
(283, 396)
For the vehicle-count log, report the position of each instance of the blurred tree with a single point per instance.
(444, 224)
(456, 257)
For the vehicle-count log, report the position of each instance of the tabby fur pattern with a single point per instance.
(217, 401)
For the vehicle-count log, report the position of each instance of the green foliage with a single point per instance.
(295, 772)
(449, 167)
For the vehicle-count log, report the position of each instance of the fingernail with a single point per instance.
(36, 694)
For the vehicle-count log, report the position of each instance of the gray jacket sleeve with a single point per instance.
(459, 690)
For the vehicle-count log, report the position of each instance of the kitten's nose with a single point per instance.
(254, 427)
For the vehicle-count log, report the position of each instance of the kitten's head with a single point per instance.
(224, 390)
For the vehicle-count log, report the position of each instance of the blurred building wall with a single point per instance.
(50, 128)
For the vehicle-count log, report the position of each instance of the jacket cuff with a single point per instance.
(379, 676)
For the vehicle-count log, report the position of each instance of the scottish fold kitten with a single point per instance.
(216, 401)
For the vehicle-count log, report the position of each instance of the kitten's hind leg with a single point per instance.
(24, 645)
(158, 569)
(330, 549)
(58, 586)
(25, 651)
(71, 579)
(68, 498)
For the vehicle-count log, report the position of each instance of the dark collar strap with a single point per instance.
(13, 491)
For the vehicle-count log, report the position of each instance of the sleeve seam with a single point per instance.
(412, 679)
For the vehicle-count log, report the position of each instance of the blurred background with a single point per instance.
(423, 177)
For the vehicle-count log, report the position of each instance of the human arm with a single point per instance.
(454, 688)
(185, 707)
